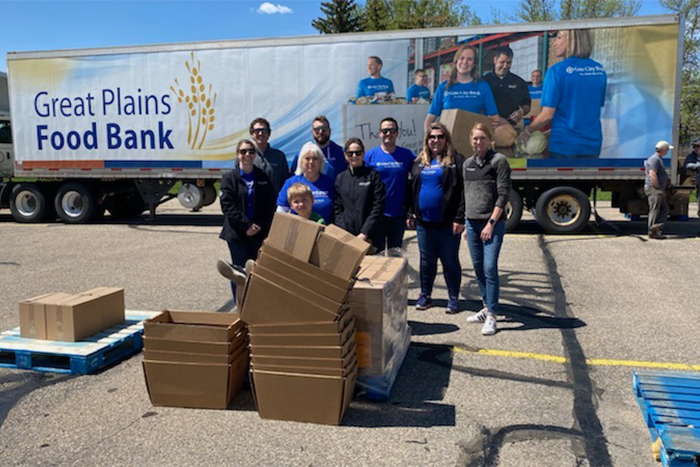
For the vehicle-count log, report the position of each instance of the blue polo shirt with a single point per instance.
(430, 196)
(418, 92)
(475, 96)
(393, 169)
(575, 87)
(535, 91)
(322, 190)
(368, 87)
(335, 160)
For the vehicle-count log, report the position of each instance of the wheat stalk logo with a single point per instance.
(200, 104)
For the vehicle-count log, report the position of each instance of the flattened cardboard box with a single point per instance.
(338, 252)
(213, 348)
(194, 385)
(459, 123)
(193, 326)
(307, 340)
(73, 318)
(267, 303)
(329, 327)
(32, 315)
(263, 360)
(302, 398)
(305, 352)
(311, 370)
(293, 235)
(189, 357)
(111, 304)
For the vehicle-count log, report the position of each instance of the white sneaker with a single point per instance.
(480, 317)
(489, 328)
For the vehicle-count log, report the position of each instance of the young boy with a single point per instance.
(301, 200)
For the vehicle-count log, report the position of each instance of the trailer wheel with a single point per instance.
(514, 210)
(75, 204)
(563, 210)
(191, 196)
(28, 203)
(209, 195)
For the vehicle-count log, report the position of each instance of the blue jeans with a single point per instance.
(242, 251)
(485, 259)
(390, 234)
(434, 243)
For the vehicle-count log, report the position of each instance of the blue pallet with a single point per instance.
(670, 404)
(81, 358)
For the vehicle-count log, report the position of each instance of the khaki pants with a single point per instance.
(658, 207)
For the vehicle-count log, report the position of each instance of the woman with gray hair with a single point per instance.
(572, 98)
(308, 171)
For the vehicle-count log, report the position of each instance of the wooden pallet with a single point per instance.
(670, 404)
(83, 357)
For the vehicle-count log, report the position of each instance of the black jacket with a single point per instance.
(359, 201)
(233, 197)
(452, 206)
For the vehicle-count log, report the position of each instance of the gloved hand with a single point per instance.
(523, 138)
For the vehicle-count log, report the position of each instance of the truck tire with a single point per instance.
(209, 195)
(191, 196)
(75, 204)
(28, 203)
(563, 210)
(514, 210)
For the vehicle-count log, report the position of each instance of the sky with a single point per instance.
(49, 25)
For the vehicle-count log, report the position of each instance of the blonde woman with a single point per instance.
(436, 209)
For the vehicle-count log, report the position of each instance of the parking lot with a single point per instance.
(553, 388)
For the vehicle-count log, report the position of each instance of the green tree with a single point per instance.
(418, 14)
(690, 93)
(582, 9)
(534, 11)
(341, 16)
(375, 16)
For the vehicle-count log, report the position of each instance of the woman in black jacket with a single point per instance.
(248, 203)
(436, 209)
(359, 195)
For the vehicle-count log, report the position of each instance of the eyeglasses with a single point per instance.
(436, 137)
(259, 131)
(354, 153)
(388, 131)
(245, 152)
(320, 129)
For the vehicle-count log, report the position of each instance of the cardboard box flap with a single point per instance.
(339, 252)
(293, 235)
(378, 271)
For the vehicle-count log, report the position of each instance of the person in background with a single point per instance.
(248, 203)
(309, 172)
(334, 158)
(463, 90)
(375, 83)
(436, 210)
(655, 183)
(692, 163)
(486, 187)
(572, 99)
(418, 90)
(509, 90)
(393, 163)
(359, 195)
(301, 200)
(272, 161)
(535, 88)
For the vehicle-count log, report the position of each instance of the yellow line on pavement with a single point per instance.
(589, 361)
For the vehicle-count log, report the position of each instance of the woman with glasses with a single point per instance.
(359, 195)
(464, 90)
(309, 171)
(436, 209)
(393, 163)
(486, 187)
(248, 203)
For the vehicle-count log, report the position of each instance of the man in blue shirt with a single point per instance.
(536, 87)
(375, 83)
(334, 154)
(418, 90)
(393, 163)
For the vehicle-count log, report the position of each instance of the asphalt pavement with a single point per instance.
(578, 315)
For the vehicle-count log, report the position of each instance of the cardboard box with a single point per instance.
(302, 398)
(306, 340)
(460, 123)
(32, 315)
(188, 357)
(267, 303)
(194, 385)
(111, 303)
(193, 326)
(341, 322)
(305, 351)
(263, 360)
(338, 252)
(311, 370)
(293, 235)
(73, 318)
(213, 348)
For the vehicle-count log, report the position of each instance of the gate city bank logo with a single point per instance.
(199, 101)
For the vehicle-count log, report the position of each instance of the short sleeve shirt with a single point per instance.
(368, 87)
(656, 164)
(474, 96)
(510, 92)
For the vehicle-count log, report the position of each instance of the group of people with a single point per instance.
(376, 195)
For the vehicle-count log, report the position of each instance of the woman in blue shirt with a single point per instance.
(463, 90)
(308, 171)
(436, 209)
(572, 99)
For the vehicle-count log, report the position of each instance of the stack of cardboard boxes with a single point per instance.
(302, 332)
(69, 318)
(194, 359)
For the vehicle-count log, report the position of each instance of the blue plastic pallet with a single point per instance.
(81, 358)
(670, 404)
